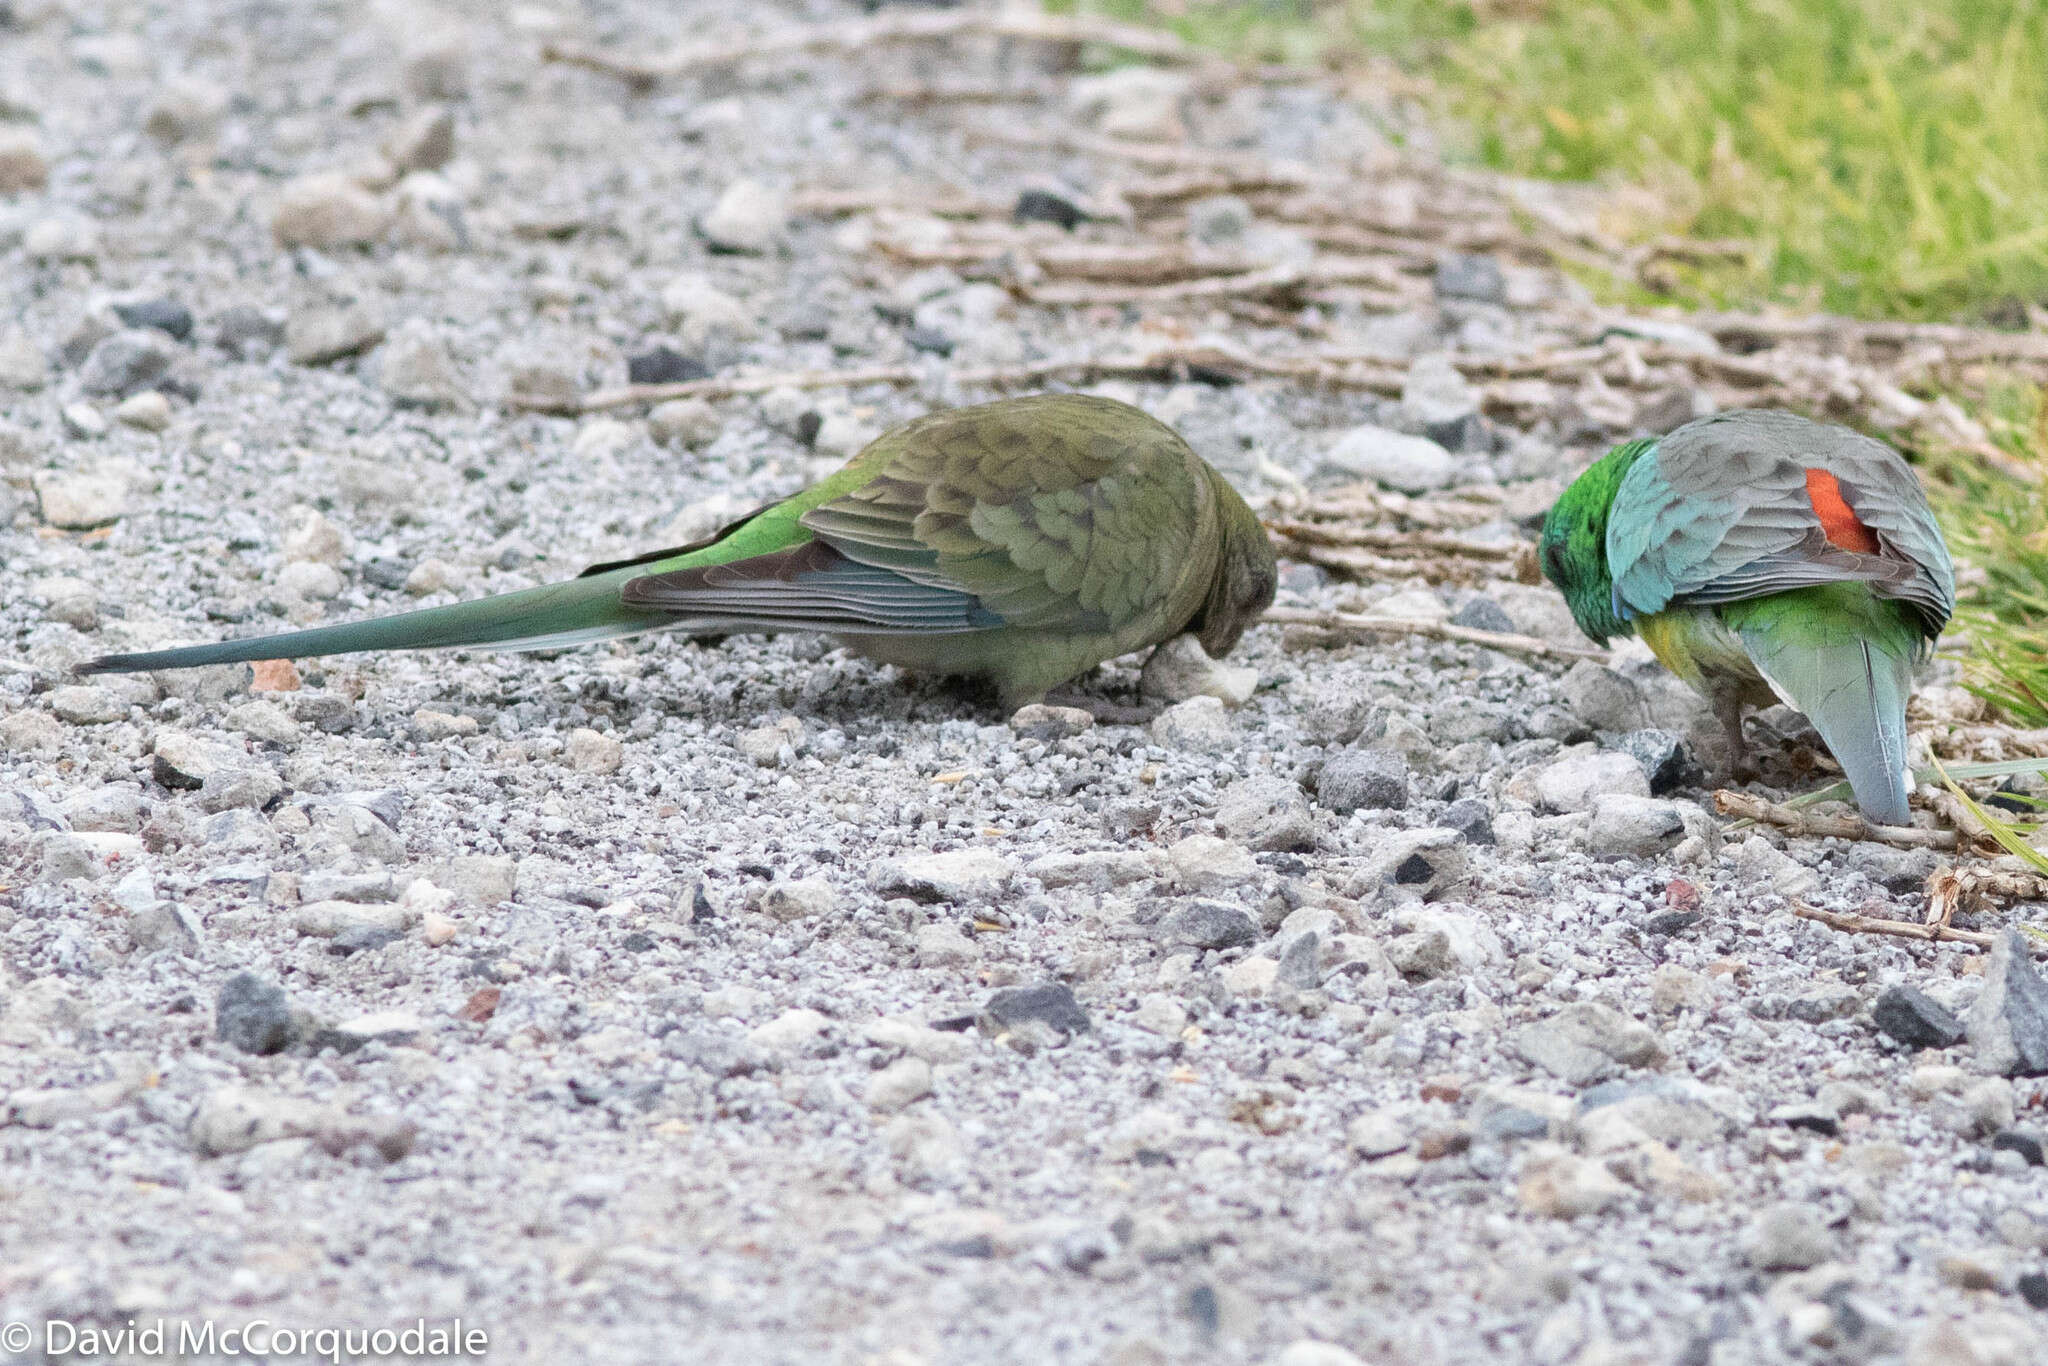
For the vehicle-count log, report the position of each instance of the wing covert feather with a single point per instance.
(1719, 511)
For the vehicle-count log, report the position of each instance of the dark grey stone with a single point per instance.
(2022, 1141)
(254, 1015)
(1484, 614)
(165, 315)
(2008, 1025)
(1209, 925)
(1470, 817)
(1300, 965)
(248, 331)
(1916, 1019)
(1043, 206)
(126, 362)
(1666, 759)
(1466, 434)
(361, 939)
(1363, 779)
(1050, 1004)
(1461, 275)
(664, 366)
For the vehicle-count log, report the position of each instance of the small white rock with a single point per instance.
(749, 217)
(22, 164)
(1409, 464)
(944, 946)
(590, 751)
(603, 438)
(1180, 669)
(315, 540)
(84, 421)
(429, 576)
(1160, 1014)
(1197, 724)
(789, 1032)
(1206, 863)
(148, 411)
(685, 422)
(429, 725)
(899, 1084)
(327, 210)
(87, 704)
(309, 581)
(798, 899)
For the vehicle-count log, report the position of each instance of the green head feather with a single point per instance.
(1575, 542)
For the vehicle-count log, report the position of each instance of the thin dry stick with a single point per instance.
(859, 35)
(1138, 264)
(1903, 929)
(1164, 190)
(938, 203)
(1797, 822)
(1433, 542)
(1172, 365)
(723, 386)
(1371, 283)
(1357, 623)
(1365, 565)
(1165, 156)
(1738, 329)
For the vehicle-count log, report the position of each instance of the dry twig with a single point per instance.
(862, 34)
(1171, 365)
(1902, 929)
(1371, 282)
(1358, 623)
(1797, 822)
(938, 203)
(1419, 542)
(1165, 156)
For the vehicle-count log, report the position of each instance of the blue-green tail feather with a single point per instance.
(549, 617)
(1845, 658)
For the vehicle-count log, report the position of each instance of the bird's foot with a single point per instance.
(1740, 767)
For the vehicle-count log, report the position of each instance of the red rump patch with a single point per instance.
(1838, 521)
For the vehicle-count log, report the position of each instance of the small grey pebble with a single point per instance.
(1484, 614)
(165, 315)
(254, 1015)
(1363, 779)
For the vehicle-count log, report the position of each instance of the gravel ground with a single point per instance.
(744, 1002)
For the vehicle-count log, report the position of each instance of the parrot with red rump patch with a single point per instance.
(1764, 557)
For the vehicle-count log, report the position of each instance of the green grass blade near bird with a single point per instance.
(1023, 541)
(1763, 557)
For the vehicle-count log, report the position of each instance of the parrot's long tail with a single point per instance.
(1845, 658)
(545, 618)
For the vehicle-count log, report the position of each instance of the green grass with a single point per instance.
(1886, 157)
(1999, 527)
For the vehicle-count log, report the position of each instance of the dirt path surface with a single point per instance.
(745, 1002)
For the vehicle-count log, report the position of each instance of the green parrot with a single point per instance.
(1024, 541)
(1762, 558)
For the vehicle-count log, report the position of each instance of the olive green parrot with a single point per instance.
(1763, 558)
(1023, 541)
